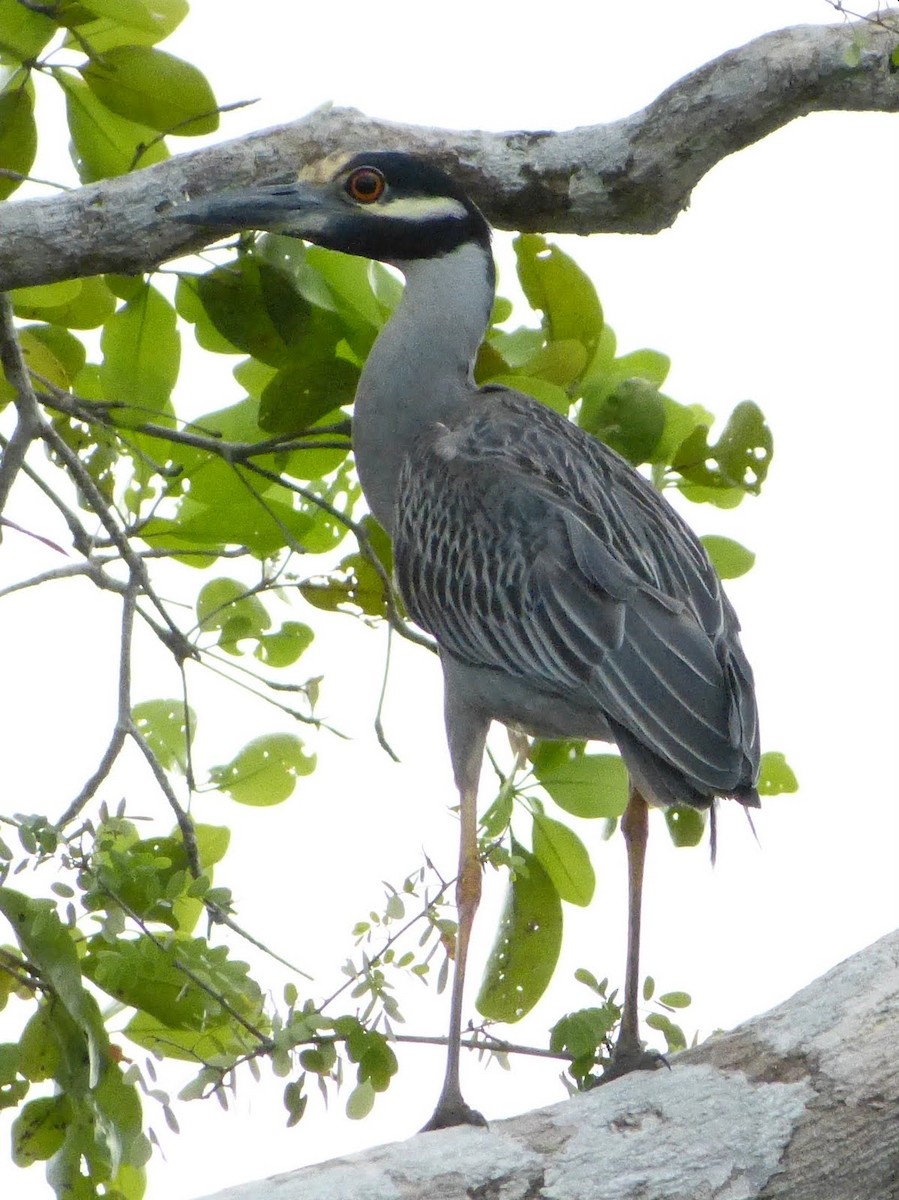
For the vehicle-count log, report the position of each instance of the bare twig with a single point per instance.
(185, 824)
(483, 1042)
(123, 724)
(29, 420)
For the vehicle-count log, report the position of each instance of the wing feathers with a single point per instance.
(544, 557)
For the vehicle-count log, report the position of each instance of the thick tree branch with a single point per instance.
(801, 1103)
(633, 175)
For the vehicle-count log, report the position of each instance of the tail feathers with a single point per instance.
(662, 783)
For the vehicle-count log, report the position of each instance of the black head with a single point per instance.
(382, 204)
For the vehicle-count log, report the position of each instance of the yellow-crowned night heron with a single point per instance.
(567, 597)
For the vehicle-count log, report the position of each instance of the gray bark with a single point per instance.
(633, 175)
(800, 1103)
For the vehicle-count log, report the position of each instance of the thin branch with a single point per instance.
(81, 477)
(123, 722)
(481, 1042)
(91, 569)
(185, 824)
(29, 420)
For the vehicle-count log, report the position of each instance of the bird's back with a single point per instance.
(569, 598)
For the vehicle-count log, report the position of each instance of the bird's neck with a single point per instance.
(420, 368)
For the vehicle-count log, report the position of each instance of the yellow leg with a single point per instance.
(629, 1053)
(451, 1108)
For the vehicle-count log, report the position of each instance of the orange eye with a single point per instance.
(366, 185)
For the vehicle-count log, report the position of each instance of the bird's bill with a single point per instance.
(293, 208)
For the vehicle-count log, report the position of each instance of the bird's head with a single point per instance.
(383, 204)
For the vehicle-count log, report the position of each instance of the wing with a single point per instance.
(527, 547)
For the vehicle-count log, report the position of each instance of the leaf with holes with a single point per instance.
(686, 825)
(556, 286)
(265, 772)
(224, 605)
(168, 728)
(775, 775)
(527, 944)
(740, 458)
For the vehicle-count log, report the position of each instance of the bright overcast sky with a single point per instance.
(777, 285)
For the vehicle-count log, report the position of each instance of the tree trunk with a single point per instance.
(800, 1103)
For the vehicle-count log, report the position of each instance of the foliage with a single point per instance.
(246, 494)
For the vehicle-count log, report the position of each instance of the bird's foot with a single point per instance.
(452, 1110)
(634, 1057)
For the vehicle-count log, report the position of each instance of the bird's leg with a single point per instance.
(451, 1108)
(629, 1054)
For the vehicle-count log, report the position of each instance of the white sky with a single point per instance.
(774, 286)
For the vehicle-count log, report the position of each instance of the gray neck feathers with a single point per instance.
(420, 368)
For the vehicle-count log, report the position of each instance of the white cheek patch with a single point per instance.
(421, 208)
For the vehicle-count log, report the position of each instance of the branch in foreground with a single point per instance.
(801, 1103)
(634, 175)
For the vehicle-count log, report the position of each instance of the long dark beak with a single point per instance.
(295, 208)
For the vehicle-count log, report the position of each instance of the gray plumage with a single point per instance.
(567, 597)
(572, 599)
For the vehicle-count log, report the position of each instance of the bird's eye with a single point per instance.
(366, 185)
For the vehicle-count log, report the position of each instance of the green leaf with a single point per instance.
(23, 32)
(630, 418)
(283, 648)
(153, 88)
(674, 1035)
(355, 585)
(350, 282)
(585, 785)
(50, 948)
(141, 356)
(265, 772)
(686, 825)
(126, 23)
(776, 775)
(40, 1129)
(360, 1101)
(254, 307)
(18, 132)
(565, 858)
(676, 999)
(14, 1086)
(51, 352)
(168, 728)
(561, 363)
(527, 944)
(45, 295)
(547, 393)
(76, 303)
(224, 606)
(729, 558)
(104, 144)
(186, 993)
(39, 1046)
(739, 459)
(555, 285)
(305, 390)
